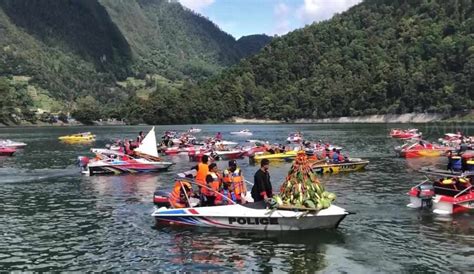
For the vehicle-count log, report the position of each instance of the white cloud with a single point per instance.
(196, 5)
(281, 14)
(281, 9)
(318, 10)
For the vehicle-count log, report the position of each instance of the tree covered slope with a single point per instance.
(378, 57)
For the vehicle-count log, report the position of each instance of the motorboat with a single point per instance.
(421, 149)
(83, 137)
(284, 156)
(295, 137)
(251, 151)
(405, 133)
(249, 216)
(12, 144)
(194, 130)
(225, 155)
(183, 150)
(243, 132)
(120, 164)
(217, 155)
(7, 151)
(114, 162)
(448, 195)
(183, 139)
(352, 164)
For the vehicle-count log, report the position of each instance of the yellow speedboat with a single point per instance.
(354, 164)
(285, 156)
(83, 137)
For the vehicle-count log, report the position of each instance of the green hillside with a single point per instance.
(378, 57)
(76, 50)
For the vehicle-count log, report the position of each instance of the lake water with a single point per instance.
(53, 218)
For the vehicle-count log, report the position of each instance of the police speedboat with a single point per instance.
(249, 216)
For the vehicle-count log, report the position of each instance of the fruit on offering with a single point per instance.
(302, 188)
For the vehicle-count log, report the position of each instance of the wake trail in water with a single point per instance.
(14, 175)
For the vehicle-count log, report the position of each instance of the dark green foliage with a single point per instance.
(252, 44)
(378, 57)
(87, 110)
(15, 103)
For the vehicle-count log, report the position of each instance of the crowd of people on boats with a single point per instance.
(221, 188)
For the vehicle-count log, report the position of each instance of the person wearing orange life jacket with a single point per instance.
(213, 183)
(202, 170)
(179, 197)
(233, 182)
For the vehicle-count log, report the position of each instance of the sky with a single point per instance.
(244, 17)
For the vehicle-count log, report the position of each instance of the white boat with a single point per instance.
(243, 132)
(194, 130)
(250, 216)
(294, 138)
(11, 144)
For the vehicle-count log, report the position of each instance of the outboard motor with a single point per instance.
(83, 161)
(426, 193)
(161, 199)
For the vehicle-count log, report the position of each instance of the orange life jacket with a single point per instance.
(177, 197)
(214, 185)
(235, 181)
(203, 170)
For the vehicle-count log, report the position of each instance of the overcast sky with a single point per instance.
(244, 17)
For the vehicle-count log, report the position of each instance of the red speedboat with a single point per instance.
(7, 151)
(182, 150)
(444, 196)
(405, 133)
(421, 149)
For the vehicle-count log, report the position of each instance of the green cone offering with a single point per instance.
(302, 188)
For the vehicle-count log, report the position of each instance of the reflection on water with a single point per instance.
(52, 218)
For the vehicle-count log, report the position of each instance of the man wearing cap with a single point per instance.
(234, 182)
(262, 188)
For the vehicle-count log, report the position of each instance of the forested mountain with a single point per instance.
(381, 56)
(54, 53)
(251, 44)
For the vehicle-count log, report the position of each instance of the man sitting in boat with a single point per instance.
(233, 182)
(227, 196)
(179, 197)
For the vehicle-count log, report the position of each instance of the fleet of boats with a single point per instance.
(446, 191)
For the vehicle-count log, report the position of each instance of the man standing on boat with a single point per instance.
(262, 188)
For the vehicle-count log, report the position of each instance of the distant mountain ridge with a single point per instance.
(75, 48)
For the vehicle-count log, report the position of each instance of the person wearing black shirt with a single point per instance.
(262, 187)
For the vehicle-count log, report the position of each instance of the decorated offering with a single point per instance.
(302, 188)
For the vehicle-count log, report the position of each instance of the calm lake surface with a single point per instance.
(53, 218)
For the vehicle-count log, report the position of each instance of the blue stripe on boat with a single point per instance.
(179, 211)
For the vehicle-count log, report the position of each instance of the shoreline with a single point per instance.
(407, 118)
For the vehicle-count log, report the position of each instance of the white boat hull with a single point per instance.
(242, 217)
